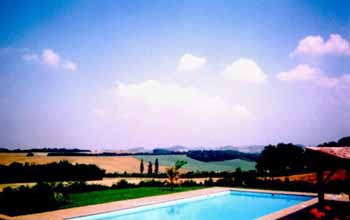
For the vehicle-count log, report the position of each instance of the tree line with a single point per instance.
(44, 150)
(221, 155)
(61, 171)
(342, 142)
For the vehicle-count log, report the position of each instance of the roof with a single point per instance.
(340, 152)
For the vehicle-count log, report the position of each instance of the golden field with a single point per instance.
(109, 163)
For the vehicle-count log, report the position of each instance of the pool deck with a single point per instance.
(133, 203)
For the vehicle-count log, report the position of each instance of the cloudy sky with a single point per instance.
(119, 74)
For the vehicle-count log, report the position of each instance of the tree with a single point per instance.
(156, 166)
(282, 159)
(344, 142)
(173, 172)
(30, 154)
(149, 168)
(141, 167)
(238, 177)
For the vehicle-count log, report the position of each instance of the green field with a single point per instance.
(194, 165)
(111, 195)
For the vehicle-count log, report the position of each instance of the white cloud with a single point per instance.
(302, 72)
(173, 99)
(50, 57)
(169, 112)
(245, 70)
(69, 65)
(307, 74)
(189, 62)
(317, 46)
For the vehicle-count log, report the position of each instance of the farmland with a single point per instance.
(108, 163)
(129, 164)
(194, 165)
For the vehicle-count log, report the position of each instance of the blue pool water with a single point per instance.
(230, 205)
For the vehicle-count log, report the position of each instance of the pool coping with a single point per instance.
(64, 214)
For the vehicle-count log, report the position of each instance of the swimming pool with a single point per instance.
(229, 205)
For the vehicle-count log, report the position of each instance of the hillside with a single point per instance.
(109, 163)
(194, 165)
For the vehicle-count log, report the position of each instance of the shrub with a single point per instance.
(30, 154)
(153, 183)
(209, 182)
(122, 184)
(189, 183)
(62, 171)
(41, 197)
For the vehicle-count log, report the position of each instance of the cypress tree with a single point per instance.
(149, 168)
(156, 166)
(141, 167)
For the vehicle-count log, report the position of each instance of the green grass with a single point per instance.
(97, 197)
(194, 165)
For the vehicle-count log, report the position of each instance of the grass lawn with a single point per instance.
(194, 165)
(96, 197)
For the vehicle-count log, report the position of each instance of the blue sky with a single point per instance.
(119, 74)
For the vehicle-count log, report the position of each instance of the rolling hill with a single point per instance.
(194, 165)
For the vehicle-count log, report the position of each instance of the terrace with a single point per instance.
(132, 204)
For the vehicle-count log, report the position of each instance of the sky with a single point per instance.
(123, 74)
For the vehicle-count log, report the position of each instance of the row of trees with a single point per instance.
(220, 155)
(172, 173)
(150, 167)
(61, 171)
(342, 142)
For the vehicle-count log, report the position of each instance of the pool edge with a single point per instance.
(289, 210)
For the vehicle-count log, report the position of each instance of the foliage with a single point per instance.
(150, 170)
(209, 182)
(46, 150)
(342, 142)
(220, 155)
(82, 186)
(30, 154)
(190, 183)
(61, 171)
(180, 163)
(173, 172)
(41, 197)
(160, 151)
(123, 184)
(282, 159)
(141, 167)
(332, 210)
(156, 166)
(151, 183)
